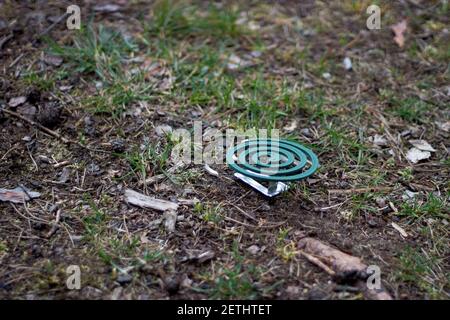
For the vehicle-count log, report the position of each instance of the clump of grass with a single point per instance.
(418, 268)
(177, 19)
(3, 248)
(43, 82)
(432, 207)
(264, 102)
(410, 109)
(152, 159)
(97, 51)
(113, 250)
(347, 143)
(154, 256)
(209, 213)
(285, 248)
(102, 52)
(312, 103)
(200, 80)
(406, 174)
(94, 223)
(236, 282)
(115, 98)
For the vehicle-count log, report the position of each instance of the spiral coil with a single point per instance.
(272, 160)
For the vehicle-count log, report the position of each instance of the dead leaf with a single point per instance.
(235, 62)
(415, 155)
(170, 219)
(326, 75)
(422, 145)
(52, 60)
(291, 127)
(253, 249)
(107, 8)
(17, 195)
(17, 101)
(163, 130)
(379, 140)
(399, 30)
(27, 111)
(348, 64)
(444, 126)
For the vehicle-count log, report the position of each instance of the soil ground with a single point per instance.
(138, 65)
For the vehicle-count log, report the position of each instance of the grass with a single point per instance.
(43, 83)
(419, 268)
(150, 160)
(432, 207)
(177, 19)
(102, 53)
(410, 109)
(200, 79)
(406, 174)
(263, 103)
(116, 98)
(3, 248)
(209, 213)
(117, 250)
(286, 249)
(361, 204)
(99, 51)
(94, 222)
(237, 281)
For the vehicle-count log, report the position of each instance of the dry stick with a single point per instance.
(243, 212)
(16, 60)
(362, 190)
(55, 225)
(239, 222)
(351, 44)
(41, 127)
(49, 132)
(4, 40)
(36, 219)
(317, 262)
(274, 225)
(43, 33)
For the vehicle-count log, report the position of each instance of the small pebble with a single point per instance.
(253, 249)
(172, 285)
(163, 130)
(124, 278)
(381, 202)
(118, 145)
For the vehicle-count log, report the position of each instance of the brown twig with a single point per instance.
(49, 131)
(55, 225)
(41, 127)
(361, 190)
(4, 40)
(243, 212)
(317, 262)
(50, 28)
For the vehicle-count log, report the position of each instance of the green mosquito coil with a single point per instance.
(274, 160)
